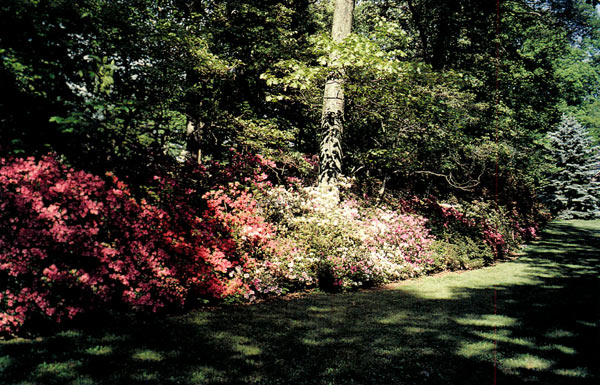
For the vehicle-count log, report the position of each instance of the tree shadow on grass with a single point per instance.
(542, 329)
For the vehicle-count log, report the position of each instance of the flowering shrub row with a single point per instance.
(71, 241)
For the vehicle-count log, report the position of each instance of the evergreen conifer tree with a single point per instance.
(574, 187)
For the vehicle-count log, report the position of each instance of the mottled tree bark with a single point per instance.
(332, 119)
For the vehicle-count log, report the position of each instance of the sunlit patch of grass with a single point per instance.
(147, 355)
(576, 372)
(585, 224)
(561, 348)
(199, 321)
(553, 287)
(108, 338)
(453, 285)
(573, 266)
(503, 336)
(70, 334)
(525, 342)
(558, 333)
(390, 350)
(205, 374)
(349, 340)
(475, 349)
(426, 351)
(319, 309)
(18, 341)
(99, 350)
(489, 320)
(415, 330)
(318, 341)
(394, 319)
(240, 344)
(526, 361)
(58, 370)
(248, 350)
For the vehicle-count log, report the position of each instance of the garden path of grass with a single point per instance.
(435, 330)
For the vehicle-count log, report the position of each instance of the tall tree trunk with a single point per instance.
(193, 140)
(333, 101)
(417, 18)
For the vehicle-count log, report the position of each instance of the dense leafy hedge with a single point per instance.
(471, 234)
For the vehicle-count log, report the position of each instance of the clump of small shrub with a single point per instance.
(460, 254)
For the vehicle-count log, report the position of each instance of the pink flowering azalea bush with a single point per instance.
(71, 241)
(273, 265)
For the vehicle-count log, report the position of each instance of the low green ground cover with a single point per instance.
(536, 317)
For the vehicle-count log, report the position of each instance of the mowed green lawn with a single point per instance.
(542, 310)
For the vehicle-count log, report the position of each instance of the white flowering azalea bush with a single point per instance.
(343, 244)
(288, 268)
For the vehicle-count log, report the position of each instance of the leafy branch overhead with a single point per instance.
(356, 53)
